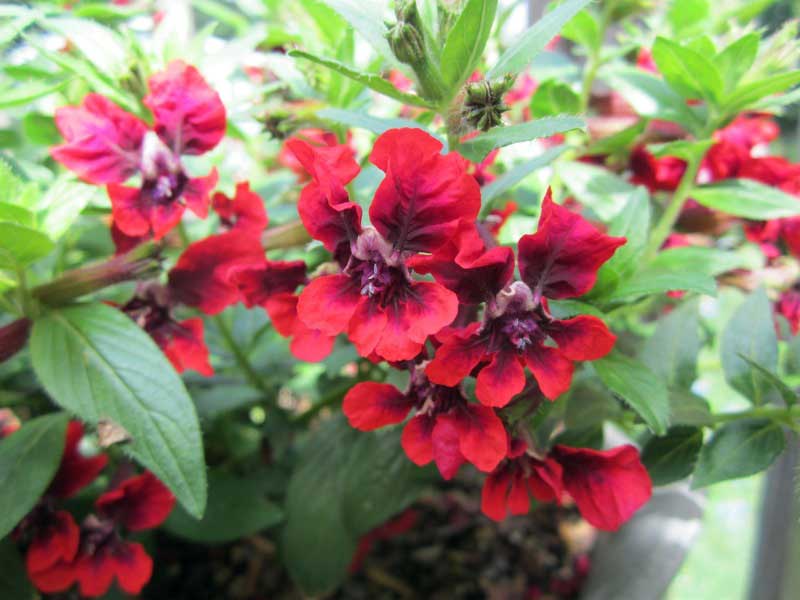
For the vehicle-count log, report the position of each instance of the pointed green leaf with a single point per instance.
(787, 394)
(478, 147)
(466, 41)
(672, 457)
(688, 72)
(671, 352)
(737, 58)
(748, 199)
(20, 245)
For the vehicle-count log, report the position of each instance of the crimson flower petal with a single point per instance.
(76, 471)
(369, 405)
(459, 354)
(446, 447)
(189, 115)
(367, 329)
(55, 541)
(244, 212)
(126, 561)
(562, 258)
(56, 578)
(309, 345)
(257, 283)
(500, 380)
(483, 439)
(494, 496)
(582, 338)
(419, 204)
(128, 210)
(416, 439)
(197, 193)
(138, 503)
(545, 482)
(103, 142)
(327, 303)
(185, 347)
(552, 370)
(608, 486)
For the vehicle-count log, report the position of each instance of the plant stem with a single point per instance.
(664, 226)
(786, 415)
(240, 357)
(594, 59)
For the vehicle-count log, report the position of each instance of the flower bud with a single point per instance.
(483, 105)
(407, 43)
(13, 338)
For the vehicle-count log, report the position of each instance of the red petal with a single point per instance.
(494, 496)
(163, 217)
(197, 193)
(582, 338)
(55, 541)
(562, 258)
(244, 212)
(483, 440)
(459, 353)
(608, 486)
(519, 503)
(500, 380)
(369, 405)
(103, 142)
(133, 567)
(553, 371)
(367, 327)
(130, 215)
(189, 115)
(310, 345)
(446, 452)
(186, 348)
(327, 303)
(56, 578)
(95, 574)
(257, 283)
(424, 196)
(416, 439)
(320, 160)
(76, 471)
(138, 503)
(546, 481)
(201, 277)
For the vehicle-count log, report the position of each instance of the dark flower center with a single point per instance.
(376, 278)
(521, 330)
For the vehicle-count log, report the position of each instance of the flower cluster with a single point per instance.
(61, 554)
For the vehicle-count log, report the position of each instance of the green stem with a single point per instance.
(665, 224)
(594, 59)
(240, 357)
(786, 415)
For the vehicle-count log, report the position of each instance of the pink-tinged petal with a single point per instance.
(446, 452)
(257, 283)
(483, 439)
(582, 338)
(369, 405)
(128, 211)
(494, 496)
(325, 160)
(197, 193)
(500, 380)
(164, 217)
(134, 567)
(562, 258)
(201, 277)
(244, 212)
(103, 142)
(419, 204)
(56, 578)
(790, 232)
(546, 481)
(76, 470)
(465, 267)
(139, 503)
(342, 157)
(460, 352)
(552, 370)
(189, 115)
(185, 347)
(327, 303)
(55, 541)
(608, 486)
(416, 439)
(367, 329)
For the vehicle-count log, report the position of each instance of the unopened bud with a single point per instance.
(483, 106)
(406, 42)
(13, 338)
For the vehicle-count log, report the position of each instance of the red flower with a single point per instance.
(76, 471)
(498, 217)
(138, 503)
(9, 423)
(656, 173)
(446, 428)
(107, 557)
(788, 305)
(52, 550)
(394, 527)
(106, 145)
(749, 130)
(644, 60)
(244, 212)
(608, 486)
(202, 275)
(418, 207)
(310, 345)
(559, 261)
(318, 138)
(181, 342)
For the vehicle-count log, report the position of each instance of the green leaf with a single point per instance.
(347, 482)
(367, 19)
(711, 261)
(28, 461)
(688, 72)
(62, 204)
(12, 213)
(737, 58)
(553, 97)
(749, 94)
(21, 95)
(638, 386)
(651, 97)
(521, 52)
(750, 334)
(738, 449)
(40, 129)
(788, 395)
(102, 46)
(13, 577)
(97, 363)
(685, 149)
(672, 457)
(478, 147)
(605, 193)
(671, 352)
(748, 199)
(584, 29)
(372, 81)
(517, 173)
(687, 408)
(20, 245)
(362, 120)
(237, 507)
(685, 16)
(589, 404)
(466, 41)
(651, 280)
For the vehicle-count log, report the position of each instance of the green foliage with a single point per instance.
(671, 351)
(673, 456)
(478, 147)
(748, 199)
(91, 360)
(466, 41)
